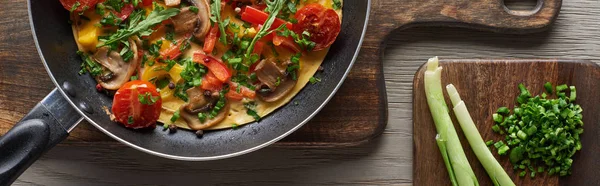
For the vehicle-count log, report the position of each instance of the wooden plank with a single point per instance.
(486, 85)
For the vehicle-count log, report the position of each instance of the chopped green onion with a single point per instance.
(503, 111)
(497, 118)
(561, 88)
(548, 87)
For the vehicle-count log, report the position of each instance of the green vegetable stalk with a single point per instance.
(491, 165)
(458, 167)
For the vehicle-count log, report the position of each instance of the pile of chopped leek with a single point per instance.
(542, 134)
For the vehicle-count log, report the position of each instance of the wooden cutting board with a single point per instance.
(486, 85)
(24, 82)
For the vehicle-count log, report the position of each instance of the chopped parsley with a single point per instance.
(292, 69)
(110, 20)
(336, 5)
(147, 98)
(251, 110)
(154, 48)
(115, 4)
(89, 65)
(314, 80)
(130, 120)
(100, 9)
(303, 40)
(220, 104)
(194, 9)
(74, 7)
(170, 36)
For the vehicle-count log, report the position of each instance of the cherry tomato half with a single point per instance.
(137, 104)
(322, 23)
(68, 4)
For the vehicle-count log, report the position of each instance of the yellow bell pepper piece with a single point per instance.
(88, 37)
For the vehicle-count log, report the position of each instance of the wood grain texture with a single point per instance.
(486, 85)
(386, 160)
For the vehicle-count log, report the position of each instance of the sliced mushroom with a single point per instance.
(199, 101)
(272, 95)
(117, 71)
(191, 118)
(188, 21)
(269, 73)
(172, 2)
(275, 80)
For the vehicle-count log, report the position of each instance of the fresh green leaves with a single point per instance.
(273, 7)
(542, 132)
(215, 9)
(141, 26)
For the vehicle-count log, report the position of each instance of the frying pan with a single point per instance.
(76, 98)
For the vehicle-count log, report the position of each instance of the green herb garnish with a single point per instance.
(251, 110)
(542, 131)
(138, 25)
(147, 98)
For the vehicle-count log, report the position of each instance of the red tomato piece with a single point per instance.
(125, 11)
(129, 111)
(256, 16)
(215, 66)
(68, 4)
(211, 39)
(323, 24)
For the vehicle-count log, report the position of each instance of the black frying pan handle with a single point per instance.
(46, 125)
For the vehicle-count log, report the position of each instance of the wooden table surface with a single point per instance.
(384, 161)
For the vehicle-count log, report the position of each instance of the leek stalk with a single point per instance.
(491, 165)
(456, 162)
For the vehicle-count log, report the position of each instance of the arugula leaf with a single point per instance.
(142, 27)
(215, 7)
(273, 7)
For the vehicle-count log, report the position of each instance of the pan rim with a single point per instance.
(188, 158)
